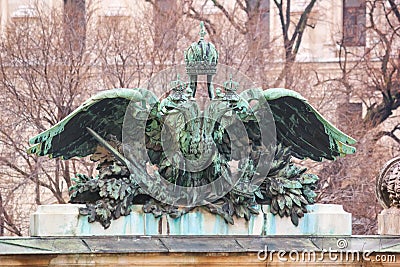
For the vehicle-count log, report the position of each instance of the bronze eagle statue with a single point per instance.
(171, 156)
(96, 128)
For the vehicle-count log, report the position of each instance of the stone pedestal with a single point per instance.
(64, 220)
(321, 219)
(389, 222)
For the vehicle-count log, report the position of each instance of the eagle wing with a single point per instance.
(69, 138)
(302, 128)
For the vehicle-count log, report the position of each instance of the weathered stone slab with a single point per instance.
(389, 222)
(64, 220)
(55, 220)
(197, 251)
(321, 219)
(201, 222)
(201, 244)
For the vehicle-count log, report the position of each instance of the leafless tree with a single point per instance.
(121, 53)
(371, 75)
(247, 18)
(51, 62)
(45, 65)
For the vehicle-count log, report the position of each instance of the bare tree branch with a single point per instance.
(395, 9)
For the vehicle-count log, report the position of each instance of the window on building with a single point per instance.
(165, 19)
(354, 19)
(75, 23)
(115, 15)
(24, 19)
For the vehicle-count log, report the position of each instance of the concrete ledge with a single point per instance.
(198, 251)
(64, 220)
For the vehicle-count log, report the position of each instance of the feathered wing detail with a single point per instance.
(69, 138)
(303, 129)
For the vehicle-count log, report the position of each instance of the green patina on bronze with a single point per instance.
(201, 51)
(95, 128)
(201, 58)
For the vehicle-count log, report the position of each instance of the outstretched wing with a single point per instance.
(304, 129)
(69, 138)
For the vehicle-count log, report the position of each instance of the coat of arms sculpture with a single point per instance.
(171, 156)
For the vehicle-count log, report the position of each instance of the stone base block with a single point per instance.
(64, 220)
(389, 222)
(321, 219)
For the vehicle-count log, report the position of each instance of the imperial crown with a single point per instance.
(201, 57)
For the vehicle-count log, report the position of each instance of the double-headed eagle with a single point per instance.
(145, 146)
